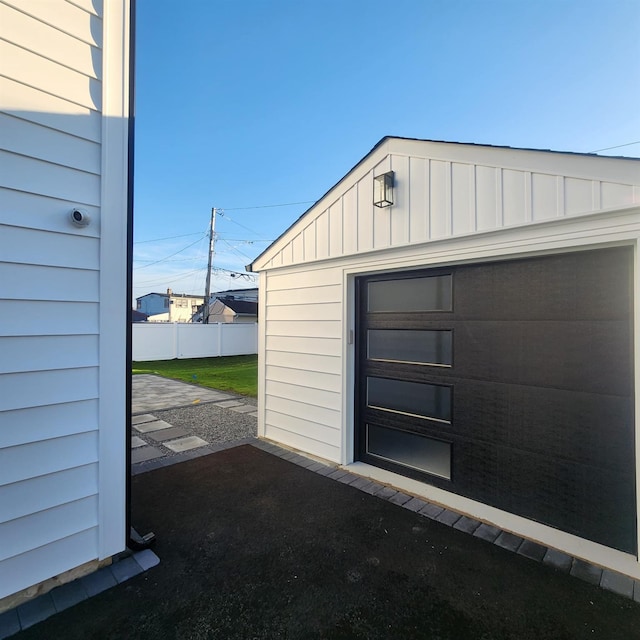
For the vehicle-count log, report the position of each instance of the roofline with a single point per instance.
(173, 295)
(249, 267)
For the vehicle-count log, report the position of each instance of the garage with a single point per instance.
(509, 383)
(460, 322)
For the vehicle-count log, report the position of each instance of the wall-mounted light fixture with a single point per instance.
(383, 190)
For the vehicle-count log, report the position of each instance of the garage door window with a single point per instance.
(431, 293)
(402, 345)
(429, 401)
(410, 450)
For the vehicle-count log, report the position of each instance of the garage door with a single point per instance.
(509, 383)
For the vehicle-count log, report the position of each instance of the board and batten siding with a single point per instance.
(302, 368)
(445, 190)
(63, 110)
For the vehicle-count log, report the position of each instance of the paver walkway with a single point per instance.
(154, 438)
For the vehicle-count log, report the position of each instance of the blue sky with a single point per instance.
(247, 103)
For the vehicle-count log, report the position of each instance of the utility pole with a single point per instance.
(212, 244)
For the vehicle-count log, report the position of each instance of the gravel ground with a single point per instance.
(211, 422)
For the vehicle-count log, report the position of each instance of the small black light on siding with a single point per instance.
(383, 190)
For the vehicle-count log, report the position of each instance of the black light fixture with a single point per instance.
(383, 190)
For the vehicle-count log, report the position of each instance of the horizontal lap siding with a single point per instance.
(43, 527)
(303, 320)
(41, 493)
(50, 162)
(25, 570)
(31, 424)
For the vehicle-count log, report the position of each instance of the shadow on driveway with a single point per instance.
(252, 546)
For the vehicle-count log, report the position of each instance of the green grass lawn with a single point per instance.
(238, 374)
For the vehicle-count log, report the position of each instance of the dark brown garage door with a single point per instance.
(510, 383)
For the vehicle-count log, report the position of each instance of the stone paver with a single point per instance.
(228, 404)
(184, 444)
(68, 595)
(137, 442)
(152, 426)
(245, 408)
(532, 550)
(146, 417)
(585, 571)
(415, 504)
(487, 532)
(142, 454)
(125, 569)
(98, 581)
(558, 560)
(508, 541)
(400, 498)
(385, 493)
(36, 611)
(146, 559)
(431, 511)
(337, 473)
(616, 582)
(466, 524)
(168, 434)
(9, 623)
(448, 517)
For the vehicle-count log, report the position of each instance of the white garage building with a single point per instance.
(469, 337)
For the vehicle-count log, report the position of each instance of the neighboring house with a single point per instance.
(138, 316)
(169, 307)
(231, 310)
(251, 295)
(231, 307)
(64, 290)
(472, 339)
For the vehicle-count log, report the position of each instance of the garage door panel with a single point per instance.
(589, 356)
(570, 286)
(579, 427)
(569, 497)
(540, 377)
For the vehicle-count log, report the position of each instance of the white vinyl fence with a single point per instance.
(166, 341)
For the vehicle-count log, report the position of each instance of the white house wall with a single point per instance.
(302, 368)
(451, 190)
(57, 140)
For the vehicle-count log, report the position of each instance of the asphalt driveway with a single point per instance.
(252, 546)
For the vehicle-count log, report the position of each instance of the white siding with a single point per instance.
(446, 191)
(55, 138)
(303, 334)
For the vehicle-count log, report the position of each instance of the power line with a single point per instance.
(184, 235)
(270, 206)
(240, 253)
(223, 214)
(180, 276)
(618, 146)
(169, 256)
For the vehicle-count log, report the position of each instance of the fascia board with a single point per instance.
(559, 163)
